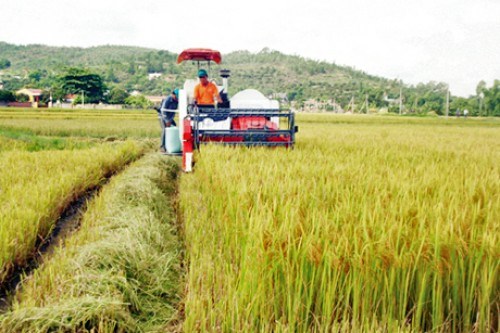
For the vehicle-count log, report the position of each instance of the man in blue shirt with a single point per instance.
(166, 114)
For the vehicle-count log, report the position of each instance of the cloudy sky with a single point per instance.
(453, 41)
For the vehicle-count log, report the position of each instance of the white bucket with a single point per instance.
(172, 140)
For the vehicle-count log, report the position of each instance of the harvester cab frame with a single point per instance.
(248, 118)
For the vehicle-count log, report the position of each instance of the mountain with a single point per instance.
(268, 71)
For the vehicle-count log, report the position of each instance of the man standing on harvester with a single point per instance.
(205, 92)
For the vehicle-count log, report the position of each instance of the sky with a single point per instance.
(451, 41)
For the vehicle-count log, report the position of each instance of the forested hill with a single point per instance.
(297, 78)
(268, 71)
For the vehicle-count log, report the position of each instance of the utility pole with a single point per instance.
(447, 101)
(481, 100)
(400, 100)
(83, 99)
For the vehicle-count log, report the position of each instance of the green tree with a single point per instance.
(481, 87)
(14, 84)
(139, 102)
(36, 75)
(4, 63)
(7, 96)
(460, 103)
(111, 76)
(131, 68)
(77, 80)
(492, 99)
(45, 97)
(117, 96)
(58, 93)
(22, 98)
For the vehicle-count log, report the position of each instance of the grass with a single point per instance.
(121, 272)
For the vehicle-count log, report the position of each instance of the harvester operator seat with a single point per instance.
(225, 100)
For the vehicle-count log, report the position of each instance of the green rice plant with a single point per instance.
(121, 271)
(23, 140)
(36, 187)
(362, 227)
(81, 123)
(56, 112)
(96, 128)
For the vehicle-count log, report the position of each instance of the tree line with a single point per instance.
(109, 74)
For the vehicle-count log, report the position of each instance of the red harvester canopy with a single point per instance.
(200, 55)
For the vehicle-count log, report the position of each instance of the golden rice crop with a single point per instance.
(121, 271)
(367, 224)
(36, 187)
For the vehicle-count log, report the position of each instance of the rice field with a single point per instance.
(370, 224)
(366, 225)
(36, 187)
(90, 124)
(42, 175)
(120, 272)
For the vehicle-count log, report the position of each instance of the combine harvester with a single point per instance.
(248, 118)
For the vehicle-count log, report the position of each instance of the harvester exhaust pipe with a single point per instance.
(225, 74)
